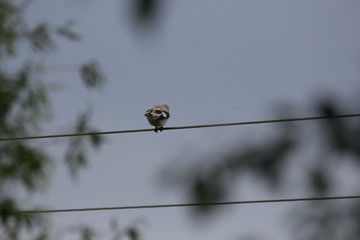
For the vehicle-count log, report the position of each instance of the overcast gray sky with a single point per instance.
(211, 61)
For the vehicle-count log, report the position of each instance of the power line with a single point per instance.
(181, 127)
(190, 204)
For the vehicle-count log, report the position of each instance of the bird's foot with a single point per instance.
(158, 129)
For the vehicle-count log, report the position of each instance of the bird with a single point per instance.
(157, 116)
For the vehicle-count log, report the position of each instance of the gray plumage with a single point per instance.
(157, 116)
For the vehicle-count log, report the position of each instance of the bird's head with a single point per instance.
(147, 113)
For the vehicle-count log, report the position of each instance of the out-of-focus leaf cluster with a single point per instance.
(88, 232)
(145, 13)
(23, 104)
(92, 75)
(327, 220)
(24, 108)
(337, 144)
(11, 221)
(23, 165)
(78, 147)
(131, 232)
(212, 181)
(340, 135)
(145, 10)
(9, 26)
(40, 38)
(66, 31)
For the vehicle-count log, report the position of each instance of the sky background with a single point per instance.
(212, 62)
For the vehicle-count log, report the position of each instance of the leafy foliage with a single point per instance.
(66, 31)
(146, 12)
(145, 9)
(87, 233)
(24, 107)
(337, 146)
(40, 38)
(12, 222)
(75, 156)
(92, 75)
(9, 24)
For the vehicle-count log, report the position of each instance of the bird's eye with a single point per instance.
(158, 111)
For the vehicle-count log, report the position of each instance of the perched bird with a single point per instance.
(157, 116)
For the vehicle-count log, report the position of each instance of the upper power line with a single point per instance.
(182, 127)
(190, 204)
